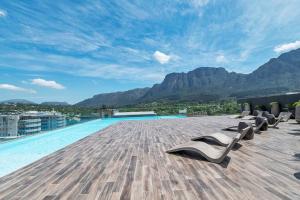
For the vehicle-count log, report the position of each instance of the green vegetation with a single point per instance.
(273, 103)
(68, 110)
(296, 104)
(161, 108)
(292, 106)
(167, 108)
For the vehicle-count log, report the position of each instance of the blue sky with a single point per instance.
(69, 50)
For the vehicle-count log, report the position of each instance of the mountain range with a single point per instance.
(24, 101)
(278, 75)
(17, 101)
(55, 103)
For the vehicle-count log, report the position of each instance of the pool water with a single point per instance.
(18, 153)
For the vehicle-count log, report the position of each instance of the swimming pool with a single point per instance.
(18, 153)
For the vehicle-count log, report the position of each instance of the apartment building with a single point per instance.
(27, 123)
(52, 120)
(9, 125)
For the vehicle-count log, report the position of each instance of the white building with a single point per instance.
(134, 114)
(183, 111)
(9, 125)
(49, 120)
(29, 124)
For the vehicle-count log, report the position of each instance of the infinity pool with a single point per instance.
(21, 152)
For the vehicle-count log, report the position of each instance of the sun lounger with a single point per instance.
(243, 114)
(270, 118)
(285, 116)
(257, 113)
(276, 123)
(207, 151)
(260, 124)
(263, 114)
(221, 138)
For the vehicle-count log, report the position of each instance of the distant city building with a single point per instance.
(52, 120)
(106, 113)
(134, 114)
(72, 120)
(29, 124)
(183, 111)
(9, 125)
(49, 120)
(12, 125)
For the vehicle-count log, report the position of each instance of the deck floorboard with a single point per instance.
(128, 161)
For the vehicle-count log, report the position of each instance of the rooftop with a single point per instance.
(128, 161)
(43, 113)
(127, 114)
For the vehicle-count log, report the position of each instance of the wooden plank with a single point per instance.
(128, 161)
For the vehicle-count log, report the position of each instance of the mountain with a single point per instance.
(195, 85)
(282, 72)
(278, 75)
(55, 103)
(17, 101)
(115, 98)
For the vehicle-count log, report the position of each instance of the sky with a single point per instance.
(70, 50)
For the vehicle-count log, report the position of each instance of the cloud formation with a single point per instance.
(2, 13)
(46, 83)
(161, 57)
(198, 3)
(221, 59)
(287, 47)
(242, 30)
(16, 88)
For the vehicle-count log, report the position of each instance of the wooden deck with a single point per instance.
(128, 161)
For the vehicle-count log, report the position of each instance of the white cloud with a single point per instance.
(113, 71)
(287, 47)
(161, 57)
(221, 59)
(198, 3)
(16, 88)
(261, 23)
(2, 13)
(48, 84)
(87, 67)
